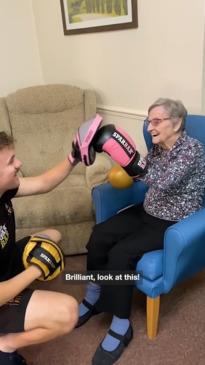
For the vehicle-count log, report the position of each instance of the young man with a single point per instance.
(26, 316)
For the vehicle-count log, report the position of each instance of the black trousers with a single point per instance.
(116, 245)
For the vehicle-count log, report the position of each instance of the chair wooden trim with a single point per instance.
(153, 305)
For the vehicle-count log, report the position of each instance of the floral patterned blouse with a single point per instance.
(176, 179)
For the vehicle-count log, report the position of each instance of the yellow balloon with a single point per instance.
(119, 178)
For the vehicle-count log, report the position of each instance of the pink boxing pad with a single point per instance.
(85, 135)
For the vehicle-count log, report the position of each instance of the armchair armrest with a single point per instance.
(184, 249)
(108, 200)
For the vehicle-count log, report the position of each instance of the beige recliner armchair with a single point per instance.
(43, 120)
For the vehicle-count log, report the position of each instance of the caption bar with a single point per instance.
(103, 277)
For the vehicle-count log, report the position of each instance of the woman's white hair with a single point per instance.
(174, 108)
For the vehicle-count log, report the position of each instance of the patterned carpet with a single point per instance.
(180, 341)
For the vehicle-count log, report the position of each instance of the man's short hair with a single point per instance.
(5, 140)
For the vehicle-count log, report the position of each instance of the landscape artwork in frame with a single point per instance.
(84, 16)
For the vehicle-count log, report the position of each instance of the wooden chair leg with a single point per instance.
(153, 305)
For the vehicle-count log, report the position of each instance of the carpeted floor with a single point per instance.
(180, 341)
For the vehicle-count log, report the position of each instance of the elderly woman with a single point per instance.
(176, 180)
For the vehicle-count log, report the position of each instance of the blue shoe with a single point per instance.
(104, 357)
(85, 317)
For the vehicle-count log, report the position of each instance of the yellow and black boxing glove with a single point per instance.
(45, 254)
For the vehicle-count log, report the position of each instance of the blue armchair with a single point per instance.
(183, 254)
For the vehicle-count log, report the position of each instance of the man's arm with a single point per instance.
(80, 151)
(9, 289)
(46, 181)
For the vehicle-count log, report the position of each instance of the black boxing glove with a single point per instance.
(121, 148)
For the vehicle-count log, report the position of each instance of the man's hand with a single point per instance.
(74, 156)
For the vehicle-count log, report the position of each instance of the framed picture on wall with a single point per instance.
(85, 16)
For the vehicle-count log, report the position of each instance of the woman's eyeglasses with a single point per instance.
(156, 121)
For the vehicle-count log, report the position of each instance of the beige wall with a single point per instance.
(129, 68)
(20, 64)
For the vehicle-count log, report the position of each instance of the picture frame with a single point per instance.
(86, 16)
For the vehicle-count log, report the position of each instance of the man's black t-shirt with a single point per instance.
(7, 234)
